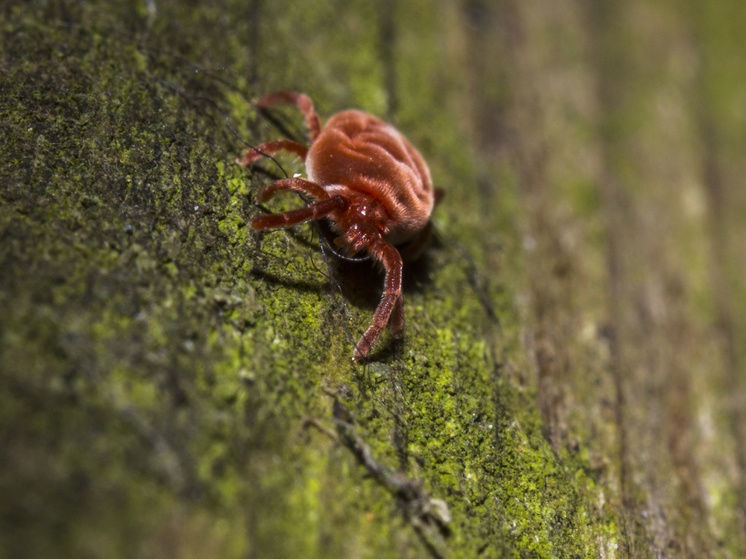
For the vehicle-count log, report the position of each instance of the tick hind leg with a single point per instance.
(414, 248)
(317, 210)
(270, 148)
(302, 101)
(304, 186)
(391, 305)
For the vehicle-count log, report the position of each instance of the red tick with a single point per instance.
(370, 183)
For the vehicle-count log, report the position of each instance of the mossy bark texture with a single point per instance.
(571, 378)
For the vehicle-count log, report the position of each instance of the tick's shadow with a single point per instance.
(361, 281)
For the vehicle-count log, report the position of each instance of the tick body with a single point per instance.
(370, 183)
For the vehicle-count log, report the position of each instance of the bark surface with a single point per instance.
(571, 378)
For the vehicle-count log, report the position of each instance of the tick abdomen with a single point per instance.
(361, 152)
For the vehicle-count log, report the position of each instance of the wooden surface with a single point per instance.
(571, 380)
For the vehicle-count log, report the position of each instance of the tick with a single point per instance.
(370, 183)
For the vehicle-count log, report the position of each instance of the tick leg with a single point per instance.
(270, 148)
(438, 194)
(302, 101)
(391, 300)
(317, 210)
(396, 322)
(297, 184)
(413, 249)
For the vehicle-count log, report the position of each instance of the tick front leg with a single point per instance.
(302, 101)
(396, 322)
(270, 148)
(317, 210)
(297, 184)
(391, 300)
